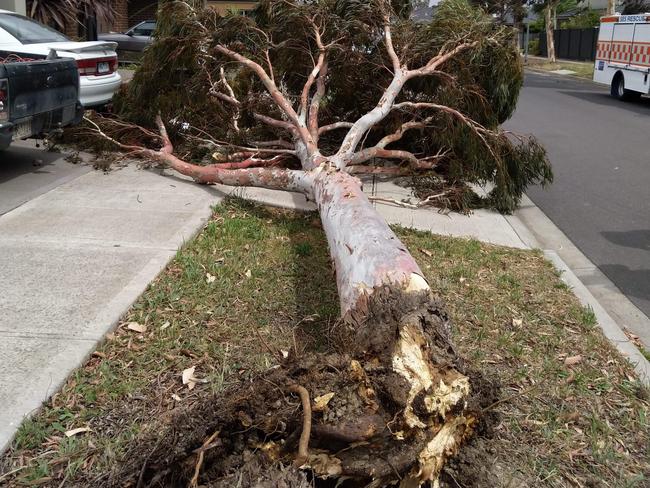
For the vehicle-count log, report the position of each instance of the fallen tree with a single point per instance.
(393, 402)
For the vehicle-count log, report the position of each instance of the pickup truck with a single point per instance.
(37, 96)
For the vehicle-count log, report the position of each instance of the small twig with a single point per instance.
(6, 475)
(194, 482)
(278, 354)
(303, 446)
(144, 464)
(419, 204)
(511, 397)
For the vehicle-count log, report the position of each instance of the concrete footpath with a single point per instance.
(74, 259)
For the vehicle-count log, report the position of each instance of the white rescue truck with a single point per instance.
(623, 55)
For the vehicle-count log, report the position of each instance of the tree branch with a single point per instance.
(315, 103)
(251, 162)
(385, 104)
(388, 39)
(441, 58)
(477, 128)
(334, 126)
(280, 100)
(318, 66)
(276, 123)
(271, 178)
(379, 152)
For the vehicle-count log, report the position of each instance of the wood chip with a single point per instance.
(426, 253)
(320, 402)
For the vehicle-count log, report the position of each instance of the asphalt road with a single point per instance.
(27, 171)
(600, 151)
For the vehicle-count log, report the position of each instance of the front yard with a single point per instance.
(257, 283)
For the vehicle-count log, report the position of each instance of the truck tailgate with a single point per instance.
(41, 86)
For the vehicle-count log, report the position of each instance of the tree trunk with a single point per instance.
(611, 7)
(398, 398)
(550, 39)
(393, 327)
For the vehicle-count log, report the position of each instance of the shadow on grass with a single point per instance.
(311, 275)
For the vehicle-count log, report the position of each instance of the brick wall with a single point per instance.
(121, 22)
(140, 10)
(224, 6)
(71, 30)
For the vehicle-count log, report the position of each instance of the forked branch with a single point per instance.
(260, 177)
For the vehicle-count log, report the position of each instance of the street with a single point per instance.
(601, 159)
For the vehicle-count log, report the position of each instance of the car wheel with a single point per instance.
(619, 91)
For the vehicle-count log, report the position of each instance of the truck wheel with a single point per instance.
(618, 90)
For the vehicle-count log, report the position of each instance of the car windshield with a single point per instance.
(28, 31)
(144, 29)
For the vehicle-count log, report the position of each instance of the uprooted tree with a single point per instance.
(303, 96)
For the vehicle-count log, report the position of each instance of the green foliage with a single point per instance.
(533, 47)
(588, 18)
(632, 7)
(58, 13)
(181, 67)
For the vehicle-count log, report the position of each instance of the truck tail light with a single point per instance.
(4, 100)
(97, 66)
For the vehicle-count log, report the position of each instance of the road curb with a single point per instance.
(550, 73)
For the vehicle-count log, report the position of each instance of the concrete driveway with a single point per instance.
(73, 259)
(27, 171)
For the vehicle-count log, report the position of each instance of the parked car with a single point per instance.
(134, 40)
(37, 96)
(96, 60)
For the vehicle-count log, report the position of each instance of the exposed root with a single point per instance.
(194, 482)
(303, 446)
(379, 415)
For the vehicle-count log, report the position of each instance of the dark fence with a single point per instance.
(531, 37)
(576, 44)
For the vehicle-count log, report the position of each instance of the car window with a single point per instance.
(28, 31)
(144, 29)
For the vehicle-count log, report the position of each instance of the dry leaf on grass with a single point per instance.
(248, 273)
(136, 327)
(572, 360)
(80, 430)
(209, 278)
(188, 374)
(633, 338)
(190, 380)
(517, 322)
(165, 325)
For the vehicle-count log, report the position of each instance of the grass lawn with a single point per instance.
(257, 279)
(580, 69)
